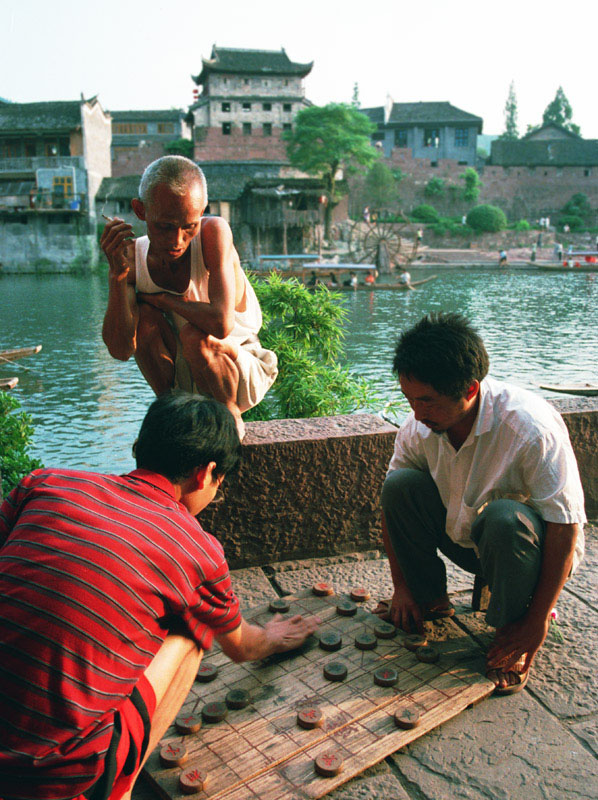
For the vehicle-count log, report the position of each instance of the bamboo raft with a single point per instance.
(19, 352)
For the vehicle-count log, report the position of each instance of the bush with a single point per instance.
(574, 222)
(486, 218)
(15, 437)
(305, 330)
(434, 188)
(425, 213)
(522, 225)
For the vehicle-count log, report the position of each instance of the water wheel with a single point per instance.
(379, 244)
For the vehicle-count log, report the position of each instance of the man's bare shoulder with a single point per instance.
(215, 229)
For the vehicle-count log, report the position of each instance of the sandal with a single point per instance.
(512, 688)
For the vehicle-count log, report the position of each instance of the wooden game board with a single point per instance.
(261, 753)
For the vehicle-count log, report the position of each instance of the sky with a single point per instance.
(141, 55)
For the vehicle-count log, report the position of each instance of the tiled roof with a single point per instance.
(123, 188)
(227, 180)
(62, 115)
(374, 114)
(545, 153)
(430, 113)
(234, 60)
(161, 115)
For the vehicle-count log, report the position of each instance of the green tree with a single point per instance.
(487, 218)
(327, 138)
(180, 147)
(305, 330)
(559, 112)
(511, 131)
(16, 433)
(473, 184)
(381, 187)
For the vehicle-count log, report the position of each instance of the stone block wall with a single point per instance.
(311, 487)
(215, 146)
(307, 487)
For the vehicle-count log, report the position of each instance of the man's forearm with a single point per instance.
(120, 322)
(208, 317)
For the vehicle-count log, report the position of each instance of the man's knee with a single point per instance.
(404, 483)
(503, 524)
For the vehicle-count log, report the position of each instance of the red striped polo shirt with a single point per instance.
(92, 567)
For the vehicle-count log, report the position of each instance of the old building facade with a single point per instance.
(139, 137)
(248, 99)
(53, 158)
(433, 132)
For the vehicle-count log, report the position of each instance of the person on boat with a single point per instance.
(110, 593)
(483, 472)
(351, 281)
(313, 278)
(332, 282)
(182, 304)
(405, 278)
(370, 277)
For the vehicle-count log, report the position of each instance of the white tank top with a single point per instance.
(247, 323)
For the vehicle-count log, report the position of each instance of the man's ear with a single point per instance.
(203, 476)
(473, 390)
(138, 208)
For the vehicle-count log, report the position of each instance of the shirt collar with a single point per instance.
(154, 479)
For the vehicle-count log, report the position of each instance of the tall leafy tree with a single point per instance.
(559, 112)
(327, 138)
(511, 131)
(381, 187)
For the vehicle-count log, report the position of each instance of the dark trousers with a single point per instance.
(508, 536)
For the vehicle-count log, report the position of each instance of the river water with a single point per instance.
(87, 407)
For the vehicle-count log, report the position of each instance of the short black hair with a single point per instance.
(444, 351)
(182, 431)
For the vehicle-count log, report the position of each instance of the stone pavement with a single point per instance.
(540, 744)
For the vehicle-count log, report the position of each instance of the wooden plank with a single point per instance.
(19, 352)
(261, 752)
(8, 383)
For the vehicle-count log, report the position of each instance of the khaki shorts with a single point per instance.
(257, 367)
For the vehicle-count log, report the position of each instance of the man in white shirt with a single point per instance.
(483, 472)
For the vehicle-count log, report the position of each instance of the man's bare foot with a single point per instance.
(509, 681)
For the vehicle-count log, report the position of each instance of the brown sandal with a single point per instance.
(512, 688)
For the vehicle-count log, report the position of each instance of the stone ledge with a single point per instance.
(309, 488)
(305, 488)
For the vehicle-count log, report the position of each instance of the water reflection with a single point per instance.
(87, 407)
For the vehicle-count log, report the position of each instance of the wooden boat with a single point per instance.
(581, 389)
(400, 287)
(8, 383)
(19, 352)
(581, 267)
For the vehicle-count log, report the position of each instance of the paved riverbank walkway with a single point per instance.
(540, 744)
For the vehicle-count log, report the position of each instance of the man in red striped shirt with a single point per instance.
(110, 591)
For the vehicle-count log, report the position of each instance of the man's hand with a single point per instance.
(287, 634)
(404, 612)
(521, 638)
(157, 299)
(116, 242)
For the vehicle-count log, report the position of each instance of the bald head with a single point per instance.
(180, 174)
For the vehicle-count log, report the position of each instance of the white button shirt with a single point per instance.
(518, 448)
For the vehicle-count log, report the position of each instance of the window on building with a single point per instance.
(287, 107)
(165, 127)
(247, 129)
(433, 163)
(50, 148)
(267, 128)
(246, 106)
(129, 127)
(29, 148)
(431, 137)
(461, 137)
(246, 81)
(62, 185)
(9, 148)
(286, 126)
(400, 138)
(266, 106)
(587, 173)
(225, 107)
(226, 128)
(266, 83)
